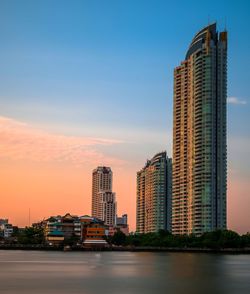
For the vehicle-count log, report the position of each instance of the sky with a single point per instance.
(89, 83)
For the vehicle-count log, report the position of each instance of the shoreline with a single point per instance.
(126, 248)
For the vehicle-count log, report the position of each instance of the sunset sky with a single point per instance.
(88, 83)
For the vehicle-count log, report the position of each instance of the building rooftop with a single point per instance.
(199, 38)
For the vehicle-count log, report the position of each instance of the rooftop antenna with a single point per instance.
(225, 23)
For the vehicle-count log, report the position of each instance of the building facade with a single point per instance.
(108, 208)
(122, 220)
(103, 199)
(93, 231)
(60, 228)
(6, 229)
(153, 210)
(199, 136)
(101, 182)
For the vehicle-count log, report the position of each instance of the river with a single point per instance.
(45, 272)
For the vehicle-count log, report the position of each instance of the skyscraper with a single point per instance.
(153, 211)
(108, 208)
(103, 199)
(199, 135)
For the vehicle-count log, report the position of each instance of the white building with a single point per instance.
(6, 229)
(103, 199)
(108, 208)
(101, 182)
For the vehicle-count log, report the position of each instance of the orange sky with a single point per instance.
(56, 189)
(51, 174)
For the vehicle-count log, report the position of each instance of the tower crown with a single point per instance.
(207, 33)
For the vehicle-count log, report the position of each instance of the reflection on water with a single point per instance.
(122, 273)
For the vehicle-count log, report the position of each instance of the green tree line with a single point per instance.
(215, 240)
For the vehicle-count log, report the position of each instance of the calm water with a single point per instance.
(122, 273)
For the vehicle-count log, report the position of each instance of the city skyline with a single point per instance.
(92, 85)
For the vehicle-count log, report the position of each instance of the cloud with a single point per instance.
(235, 100)
(21, 141)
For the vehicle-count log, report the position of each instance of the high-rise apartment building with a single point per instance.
(199, 136)
(103, 199)
(153, 211)
(108, 207)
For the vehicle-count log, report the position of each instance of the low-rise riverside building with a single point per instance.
(55, 237)
(94, 231)
(61, 228)
(83, 230)
(71, 226)
(53, 231)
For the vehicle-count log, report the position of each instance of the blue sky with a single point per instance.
(105, 69)
(109, 59)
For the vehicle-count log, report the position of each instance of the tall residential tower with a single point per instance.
(103, 199)
(153, 211)
(199, 136)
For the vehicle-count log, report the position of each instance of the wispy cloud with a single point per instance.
(235, 100)
(23, 141)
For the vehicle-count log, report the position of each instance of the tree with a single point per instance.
(221, 239)
(245, 240)
(119, 238)
(31, 235)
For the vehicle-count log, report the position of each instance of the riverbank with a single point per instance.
(126, 248)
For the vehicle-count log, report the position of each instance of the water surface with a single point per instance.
(43, 272)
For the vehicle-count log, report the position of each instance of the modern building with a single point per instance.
(140, 200)
(122, 220)
(108, 208)
(199, 136)
(103, 199)
(6, 229)
(121, 224)
(153, 210)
